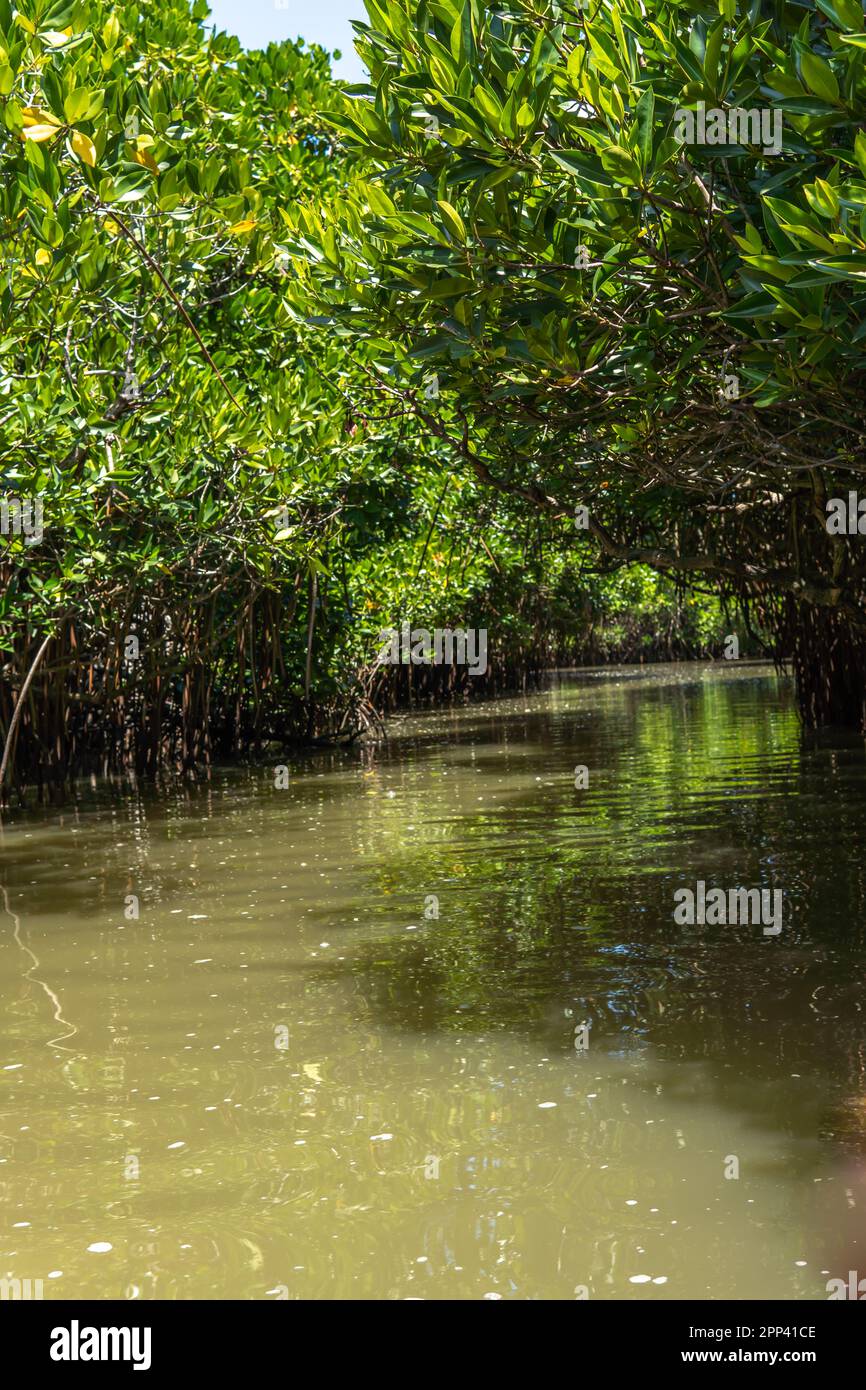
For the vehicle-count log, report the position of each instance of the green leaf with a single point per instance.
(805, 106)
(644, 114)
(452, 219)
(575, 162)
(379, 200)
(423, 225)
(850, 13)
(753, 306)
(525, 116)
(823, 198)
(622, 164)
(819, 76)
(604, 53)
(712, 54)
(489, 107)
(76, 104)
(751, 241)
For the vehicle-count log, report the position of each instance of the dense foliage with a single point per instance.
(620, 313)
(231, 506)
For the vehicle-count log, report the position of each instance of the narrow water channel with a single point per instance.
(421, 1023)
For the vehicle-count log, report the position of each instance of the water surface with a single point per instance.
(289, 1078)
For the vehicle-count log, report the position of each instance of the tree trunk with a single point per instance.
(829, 663)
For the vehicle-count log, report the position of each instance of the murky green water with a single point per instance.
(284, 1080)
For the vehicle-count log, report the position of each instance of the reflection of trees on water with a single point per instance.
(557, 905)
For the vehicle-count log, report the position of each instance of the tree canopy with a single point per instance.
(665, 331)
(284, 363)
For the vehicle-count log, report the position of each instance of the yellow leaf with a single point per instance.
(111, 226)
(146, 158)
(246, 226)
(39, 132)
(84, 148)
(35, 115)
(42, 256)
